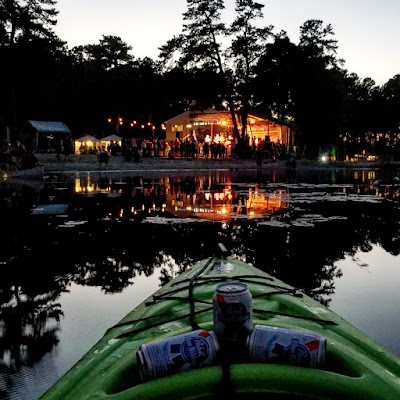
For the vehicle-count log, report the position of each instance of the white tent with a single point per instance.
(106, 141)
(112, 138)
(86, 144)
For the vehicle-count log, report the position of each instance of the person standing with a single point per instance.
(259, 157)
(103, 157)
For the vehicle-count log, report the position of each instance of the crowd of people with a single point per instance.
(19, 156)
(136, 148)
(16, 156)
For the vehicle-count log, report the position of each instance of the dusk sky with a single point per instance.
(367, 31)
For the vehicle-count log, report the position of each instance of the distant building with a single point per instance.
(47, 136)
(210, 123)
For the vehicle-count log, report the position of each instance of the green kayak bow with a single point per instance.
(354, 366)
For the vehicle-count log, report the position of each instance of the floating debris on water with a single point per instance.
(71, 224)
(169, 221)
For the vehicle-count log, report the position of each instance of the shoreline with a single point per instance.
(89, 163)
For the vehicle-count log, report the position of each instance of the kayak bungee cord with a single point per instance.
(191, 302)
(196, 281)
(242, 278)
(143, 328)
(258, 310)
(193, 323)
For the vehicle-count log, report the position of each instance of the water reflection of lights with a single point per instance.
(203, 197)
(87, 186)
(364, 176)
(229, 204)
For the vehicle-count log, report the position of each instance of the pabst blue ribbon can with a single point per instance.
(177, 353)
(286, 346)
(233, 312)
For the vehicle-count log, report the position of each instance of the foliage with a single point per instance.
(240, 67)
(34, 18)
(199, 46)
(248, 44)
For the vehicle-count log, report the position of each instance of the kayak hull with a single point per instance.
(356, 367)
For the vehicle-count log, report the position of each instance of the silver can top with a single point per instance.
(231, 287)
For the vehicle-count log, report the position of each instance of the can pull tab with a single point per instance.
(233, 288)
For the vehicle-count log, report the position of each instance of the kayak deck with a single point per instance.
(356, 367)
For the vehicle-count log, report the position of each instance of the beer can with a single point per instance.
(286, 346)
(233, 312)
(177, 353)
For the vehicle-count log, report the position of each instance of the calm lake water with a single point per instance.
(80, 251)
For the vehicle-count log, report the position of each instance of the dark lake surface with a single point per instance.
(79, 251)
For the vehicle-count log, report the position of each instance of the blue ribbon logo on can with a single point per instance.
(286, 346)
(177, 353)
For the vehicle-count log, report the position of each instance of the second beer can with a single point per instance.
(286, 346)
(177, 353)
(233, 312)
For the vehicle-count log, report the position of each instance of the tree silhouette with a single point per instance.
(223, 67)
(199, 45)
(22, 22)
(248, 44)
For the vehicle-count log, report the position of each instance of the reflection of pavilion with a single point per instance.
(260, 202)
(224, 203)
(206, 197)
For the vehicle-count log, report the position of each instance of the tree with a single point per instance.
(27, 18)
(391, 95)
(390, 115)
(101, 72)
(248, 44)
(362, 97)
(111, 83)
(111, 52)
(22, 22)
(316, 40)
(305, 85)
(319, 91)
(199, 45)
(276, 74)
